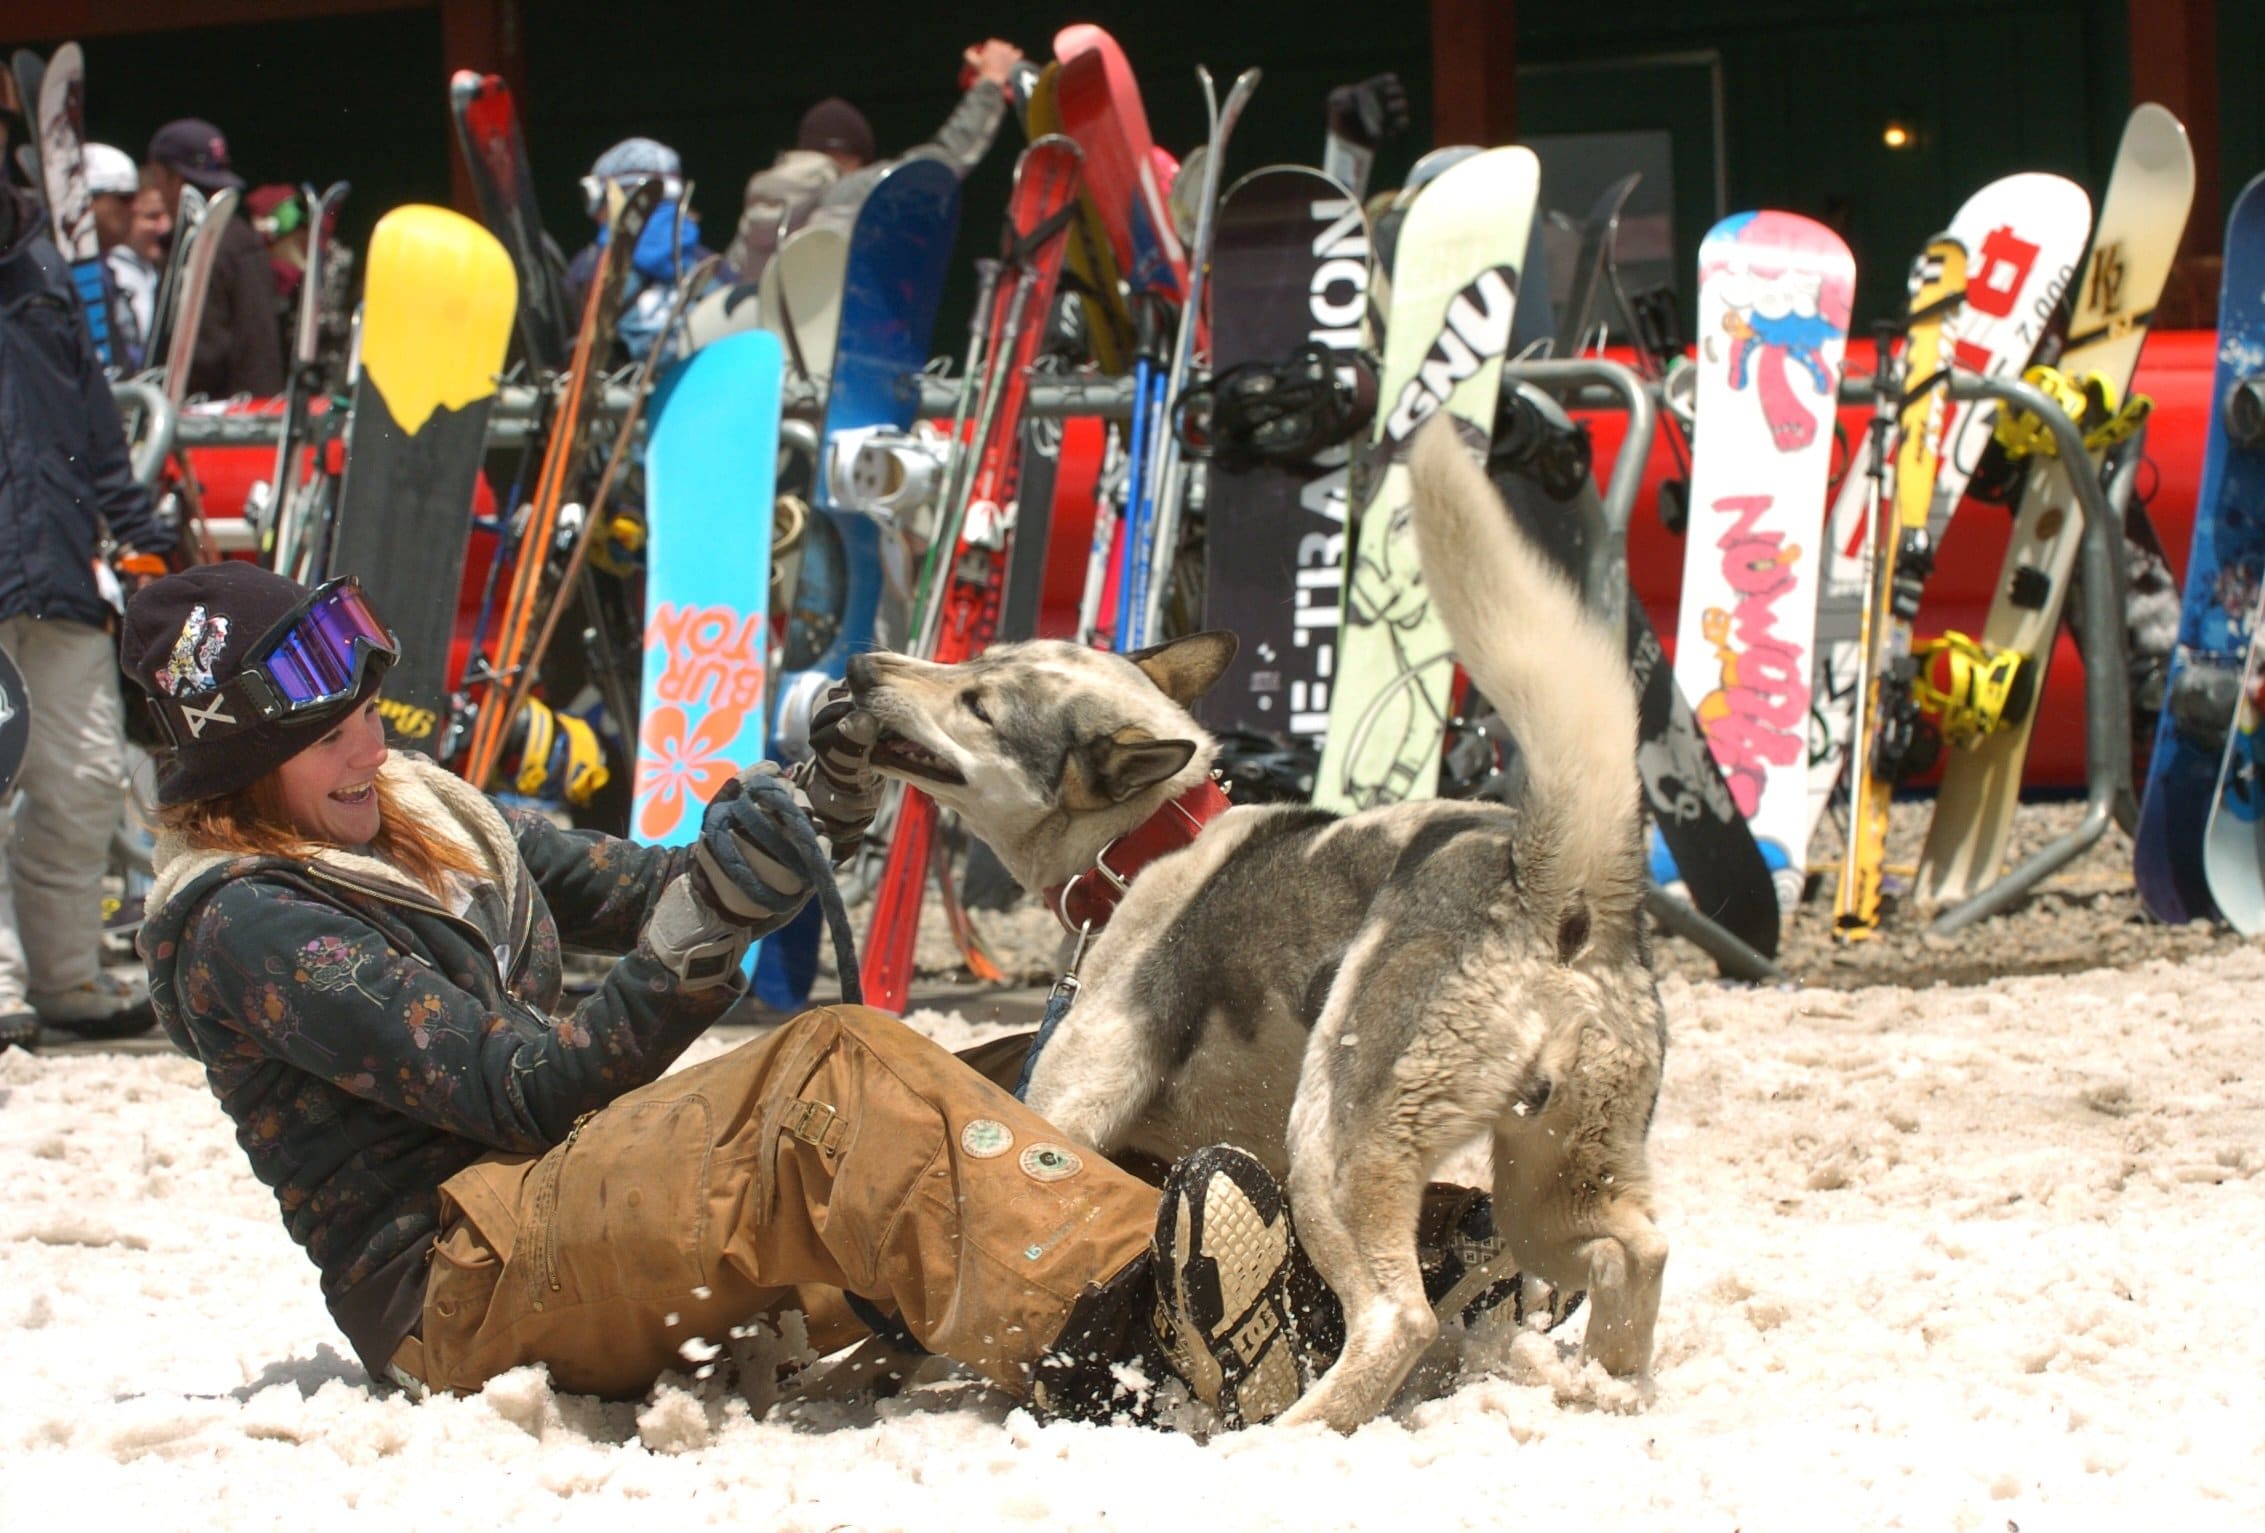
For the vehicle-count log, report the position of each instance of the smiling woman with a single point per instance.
(363, 952)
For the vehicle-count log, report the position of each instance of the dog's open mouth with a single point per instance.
(895, 753)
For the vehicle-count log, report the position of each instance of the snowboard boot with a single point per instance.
(1213, 1303)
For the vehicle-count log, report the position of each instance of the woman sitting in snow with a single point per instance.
(364, 953)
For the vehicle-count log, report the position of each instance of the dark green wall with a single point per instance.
(1993, 86)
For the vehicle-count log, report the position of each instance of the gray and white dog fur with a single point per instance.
(1350, 999)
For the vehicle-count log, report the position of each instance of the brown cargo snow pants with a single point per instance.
(843, 1152)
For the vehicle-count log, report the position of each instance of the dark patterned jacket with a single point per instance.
(369, 1043)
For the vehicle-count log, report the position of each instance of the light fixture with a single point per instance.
(1897, 134)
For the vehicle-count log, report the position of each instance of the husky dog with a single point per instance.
(1353, 999)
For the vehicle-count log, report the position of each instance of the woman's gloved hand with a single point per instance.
(744, 882)
(843, 789)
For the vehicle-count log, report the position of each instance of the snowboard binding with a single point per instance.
(1287, 413)
(2091, 402)
(1971, 690)
(1527, 441)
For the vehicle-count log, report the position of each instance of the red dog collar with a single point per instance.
(1085, 903)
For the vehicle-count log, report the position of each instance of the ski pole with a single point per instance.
(978, 331)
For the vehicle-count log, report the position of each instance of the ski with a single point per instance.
(437, 312)
(198, 257)
(495, 154)
(2225, 570)
(1289, 275)
(957, 608)
(1581, 331)
(188, 217)
(1774, 296)
(281, 521)
(70, 208)
(1091, 272)
(1454, 288)
(2141, 219)
(1898, 560)
(561, 470)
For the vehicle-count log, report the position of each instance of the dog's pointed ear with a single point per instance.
(1113, 768)
(1185, 669)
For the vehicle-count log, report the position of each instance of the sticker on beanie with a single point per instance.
(194, 654)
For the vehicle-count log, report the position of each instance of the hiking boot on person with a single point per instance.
(104, 1008)
(1213, 1303)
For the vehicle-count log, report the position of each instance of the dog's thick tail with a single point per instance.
(1558, 676)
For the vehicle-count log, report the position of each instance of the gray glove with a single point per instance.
(843, 790)
(742, 884)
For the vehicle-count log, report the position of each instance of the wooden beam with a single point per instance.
(2174, 61)
(55, 20)
(1474, 71)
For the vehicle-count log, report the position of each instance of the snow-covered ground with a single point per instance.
(1943, 1259)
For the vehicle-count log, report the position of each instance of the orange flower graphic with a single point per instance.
(680, 765)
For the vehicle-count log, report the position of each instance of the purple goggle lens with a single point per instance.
(319, 655)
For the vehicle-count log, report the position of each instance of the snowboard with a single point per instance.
(2023, 236)
(1896, 569)
(960, 600)
(1454, 288)
(2233, 843)
(15, 722)
(2225, 567)
(892, 285)
(437, 311)
(710, 465)
(1290, 269)
(487, 129)
(1774, 296)
(2133, 245)
(70, 208)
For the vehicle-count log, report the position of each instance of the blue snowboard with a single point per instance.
(711, 467)
(2222, 575)
(900, 252)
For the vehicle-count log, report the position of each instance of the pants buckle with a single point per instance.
(815, 1123)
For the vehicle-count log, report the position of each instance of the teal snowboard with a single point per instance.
(710, 472)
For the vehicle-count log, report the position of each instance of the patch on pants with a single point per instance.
(1051, 1162)
(985, 1138)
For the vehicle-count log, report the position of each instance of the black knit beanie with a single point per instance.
(834, 125)
(187, 635)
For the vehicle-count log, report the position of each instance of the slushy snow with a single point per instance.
(1942, 1259)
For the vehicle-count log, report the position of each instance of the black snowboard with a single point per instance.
(1290, 268)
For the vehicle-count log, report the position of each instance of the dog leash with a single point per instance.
(776, 794)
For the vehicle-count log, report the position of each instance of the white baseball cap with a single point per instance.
(111, 172)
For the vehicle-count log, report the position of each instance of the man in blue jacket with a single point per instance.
(67, 494)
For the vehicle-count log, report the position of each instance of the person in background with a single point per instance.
(666, 252)
(238, 349)
(113, 183)
(67, 488)
(363, 952)
(826, 176)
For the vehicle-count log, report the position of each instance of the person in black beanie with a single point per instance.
(831, 169)
(363, 952)
(239, 347)
(70, 513)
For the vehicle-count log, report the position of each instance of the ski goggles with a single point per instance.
(298, 673)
